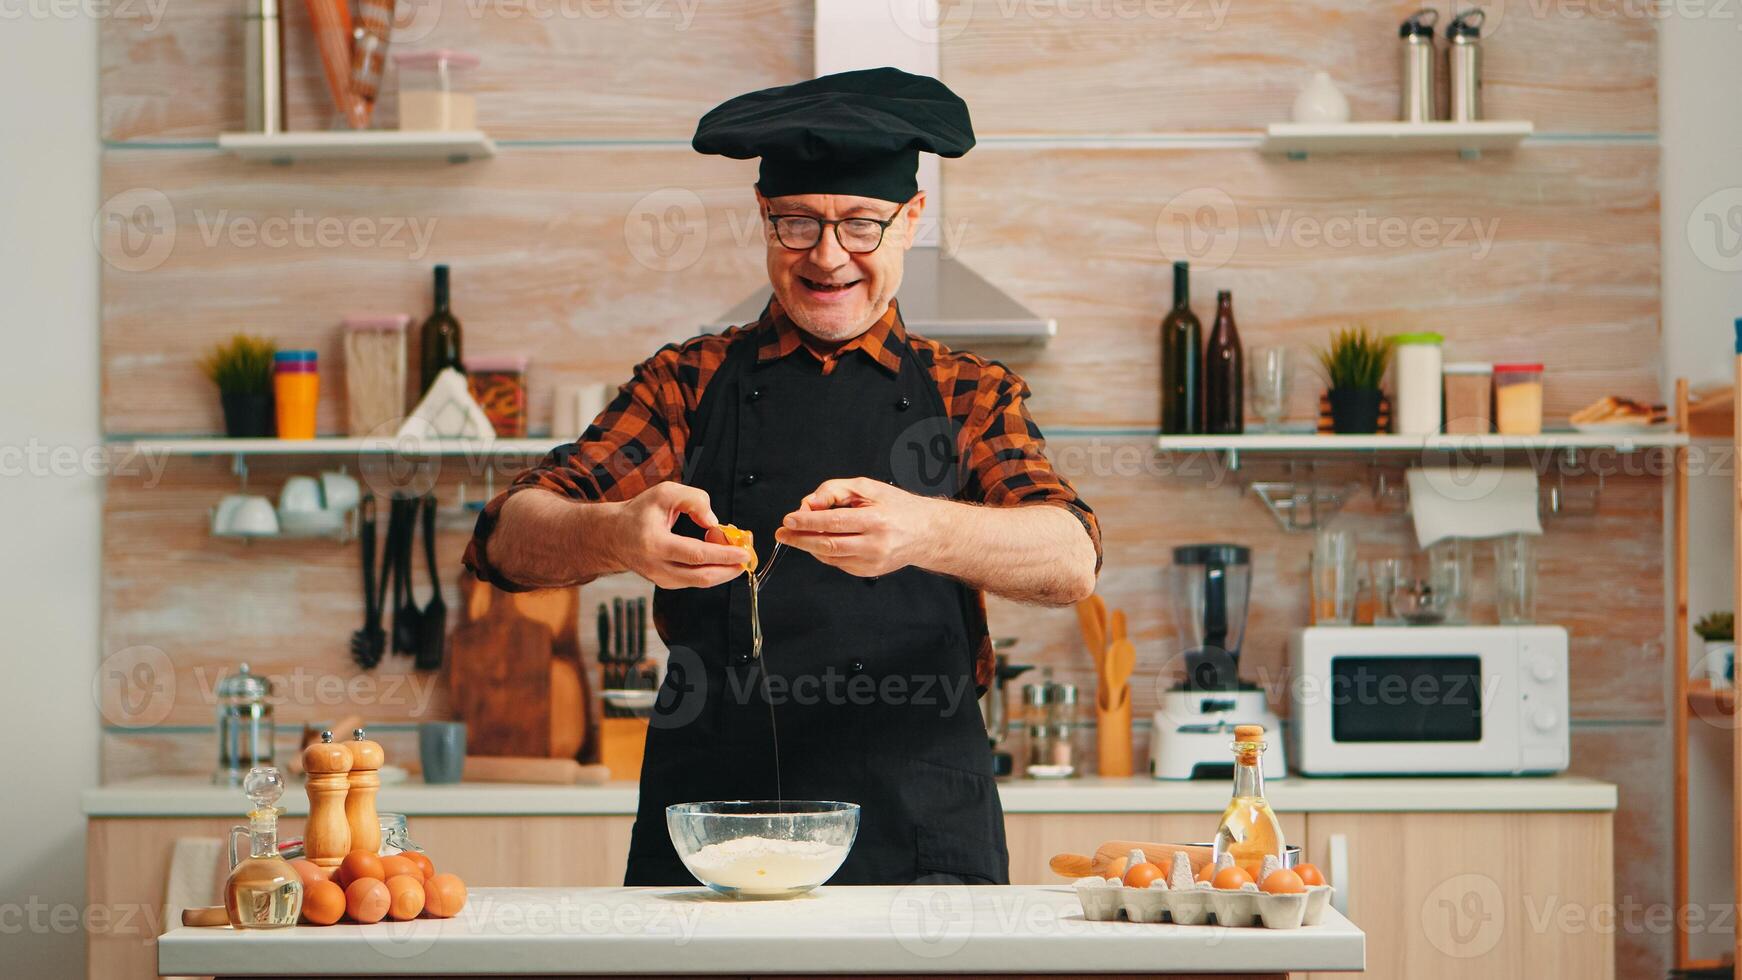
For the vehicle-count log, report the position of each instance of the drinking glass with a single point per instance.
(1515, 578)
(1268, 384)
(1386, 574)
(1333, 578)
(1450, 564)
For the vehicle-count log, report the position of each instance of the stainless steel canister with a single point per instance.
(1417, 78)
(262, 67)
(1464, 64)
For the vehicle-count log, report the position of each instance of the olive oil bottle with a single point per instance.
(1249, 829)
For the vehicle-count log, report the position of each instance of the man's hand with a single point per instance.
(863, 527)
(647, 546)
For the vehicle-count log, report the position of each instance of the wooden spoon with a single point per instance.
(1116, 681)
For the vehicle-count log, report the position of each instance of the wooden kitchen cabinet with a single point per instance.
(1459, 895)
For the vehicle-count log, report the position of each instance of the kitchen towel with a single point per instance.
(1472, 502)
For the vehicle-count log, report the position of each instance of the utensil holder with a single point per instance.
(1113, 737)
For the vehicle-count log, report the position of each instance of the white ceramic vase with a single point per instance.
(1320, 101)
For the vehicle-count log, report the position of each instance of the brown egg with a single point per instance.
(323, 903)
(1309, 874)
(367, 900)
(1283, 882)
(1230, 878)
(359, 864)
(1141, 874)
(1207, 872)
(422, 861)
(310, 872)
(405, 896)
(444, 896)
(394, 865)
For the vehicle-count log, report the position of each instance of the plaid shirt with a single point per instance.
(642, 437)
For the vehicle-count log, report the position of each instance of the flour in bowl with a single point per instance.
(765, 864)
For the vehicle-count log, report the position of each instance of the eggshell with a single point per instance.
(367, 900)
(1230, 878)
(422, 861)
(323, 902)
(1283, 882)
(1309, 874)
(358, 865)
(444, 896)
(405, 896)
(310, 872)
(1141, 874)
(394, 865)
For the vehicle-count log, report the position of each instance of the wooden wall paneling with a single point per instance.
(549, 70)
(1074, 67)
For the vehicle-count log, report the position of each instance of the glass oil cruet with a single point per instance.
(1249, 829)
(263, 890)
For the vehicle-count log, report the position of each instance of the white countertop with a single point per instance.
(934, 929)
(185, 797)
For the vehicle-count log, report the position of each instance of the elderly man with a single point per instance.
(905, 479)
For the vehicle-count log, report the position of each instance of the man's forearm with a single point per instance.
(1033, 553)
(545, 540)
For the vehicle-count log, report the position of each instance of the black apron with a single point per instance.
(871, 678)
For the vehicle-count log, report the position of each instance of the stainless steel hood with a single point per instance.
(940, 298)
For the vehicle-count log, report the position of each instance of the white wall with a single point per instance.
(49, 562)
(1700, 126)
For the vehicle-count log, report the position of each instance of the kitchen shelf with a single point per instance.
(374, 144)
(1706, 701)
(1298, 140)
(333, 445)
(1307, 442)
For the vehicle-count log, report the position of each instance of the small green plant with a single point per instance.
(1718, 626)
(1355, 360)
(243, 366)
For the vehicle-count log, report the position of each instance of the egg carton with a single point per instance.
(1107, 899)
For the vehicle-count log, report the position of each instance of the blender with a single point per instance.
(1210, 586)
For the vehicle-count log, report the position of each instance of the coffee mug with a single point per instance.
(339, 491)
(245, 514)
(300, 493)
(441, 746)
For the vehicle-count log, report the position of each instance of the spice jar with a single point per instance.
(374, 372)
(433, 93)
(1518, 399)
(498, 385)
(1469, 393)
(296, 391)
(1416, 372)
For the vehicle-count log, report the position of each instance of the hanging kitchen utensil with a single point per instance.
(368, 643)
(432, 625)
(405, 612)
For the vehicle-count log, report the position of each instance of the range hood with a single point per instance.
(940, 297)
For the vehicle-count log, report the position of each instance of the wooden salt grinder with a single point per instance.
(327, 837)
(366, 760)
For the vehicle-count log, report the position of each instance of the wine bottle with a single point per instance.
(1224, 373)
(1181, 340)
(441, 336)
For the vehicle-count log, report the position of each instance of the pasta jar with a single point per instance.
(1469, 398)
(1416, 372)
(498, 385)
(1518, 399)
(296, 391)
(374, 372)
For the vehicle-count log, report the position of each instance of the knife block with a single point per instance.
(622, 742)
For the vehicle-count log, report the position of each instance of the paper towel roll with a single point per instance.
(577, 406)
(1483, 502)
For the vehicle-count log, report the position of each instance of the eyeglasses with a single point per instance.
(801, 232)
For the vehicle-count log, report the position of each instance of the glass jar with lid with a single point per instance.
(246, 730)
(1416, 372)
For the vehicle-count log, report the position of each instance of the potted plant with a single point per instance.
(1354, 364)
(1717, 633)
(242, 370)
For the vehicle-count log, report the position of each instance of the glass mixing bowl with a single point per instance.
(762, 848)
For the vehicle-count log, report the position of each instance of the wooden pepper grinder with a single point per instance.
(365, 780)
(327, 838)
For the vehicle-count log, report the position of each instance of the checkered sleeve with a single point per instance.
(1003, 451)
(637, 442)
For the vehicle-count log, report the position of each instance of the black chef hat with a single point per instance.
(858, 133)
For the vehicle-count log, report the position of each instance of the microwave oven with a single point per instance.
(1428, 700)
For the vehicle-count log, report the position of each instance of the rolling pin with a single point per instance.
(1109, 859)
